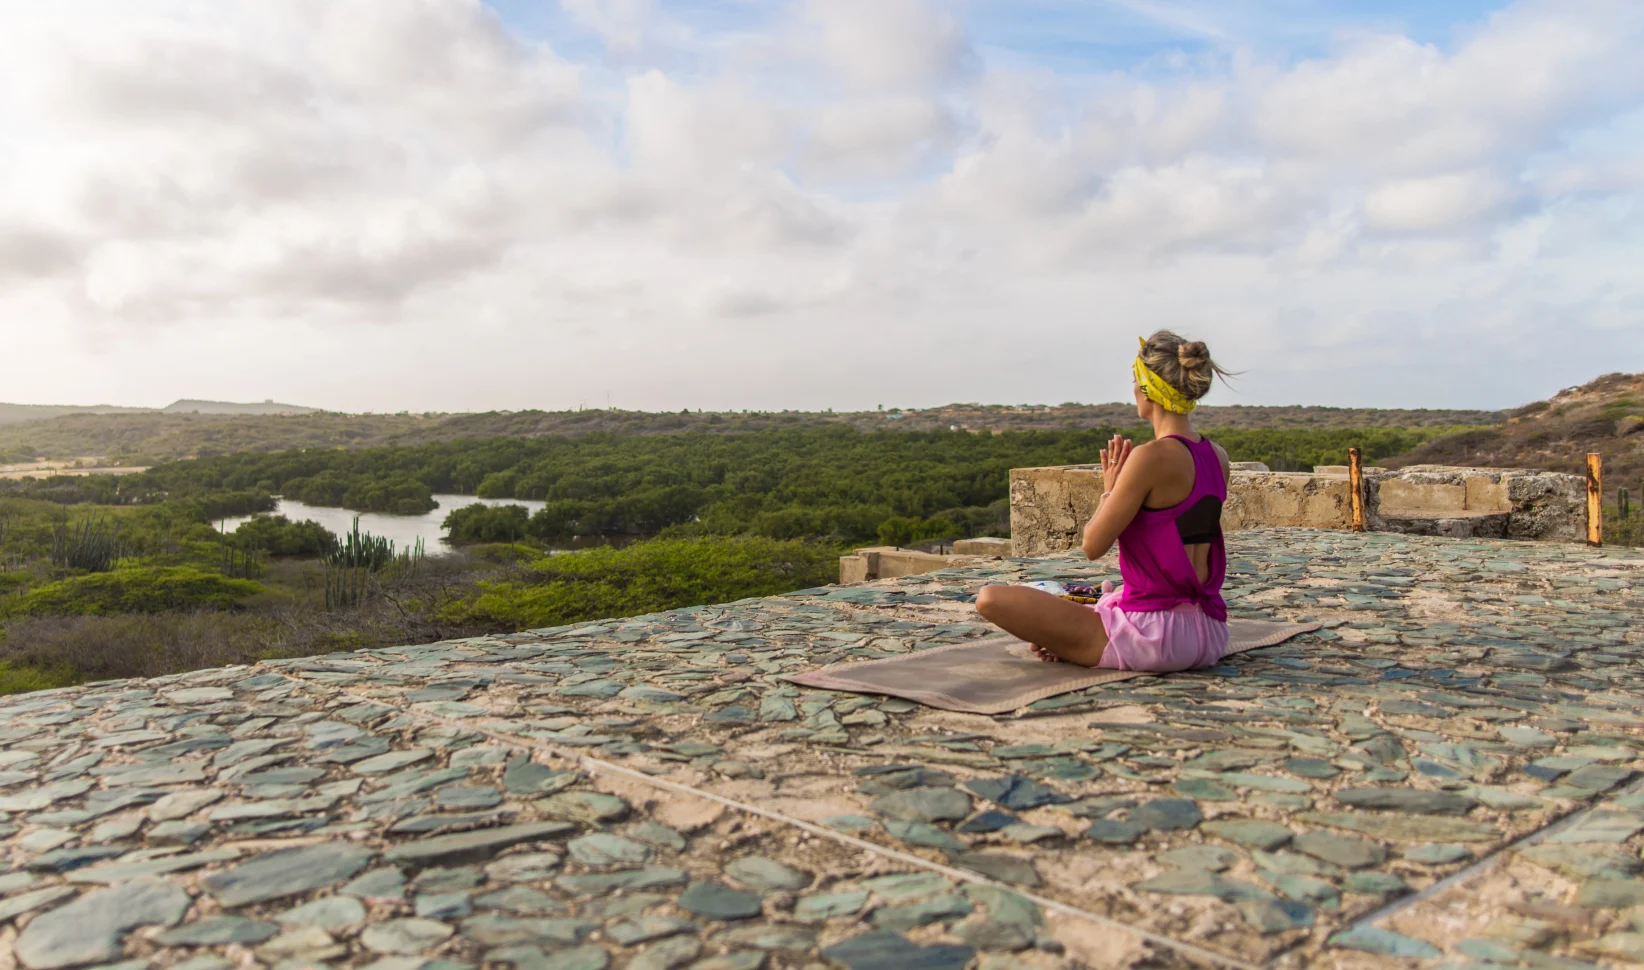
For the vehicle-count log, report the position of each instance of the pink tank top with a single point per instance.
(1153, 560)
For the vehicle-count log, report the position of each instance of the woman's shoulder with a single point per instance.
(1154, 450)
(1161, 456)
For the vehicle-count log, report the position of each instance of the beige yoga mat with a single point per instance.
(999, 674)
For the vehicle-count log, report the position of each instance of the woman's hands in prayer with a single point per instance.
(1114, 457)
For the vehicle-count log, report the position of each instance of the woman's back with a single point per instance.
(1172, 553)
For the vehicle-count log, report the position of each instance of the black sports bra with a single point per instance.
(1200, 524)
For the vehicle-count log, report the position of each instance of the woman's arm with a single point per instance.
(1127, 493)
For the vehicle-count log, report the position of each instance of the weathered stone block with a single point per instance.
(1486, 493)
(1399, 493)
(1546, 506)
(1049, 506)
(888, 562)
(982, 546)
(1287, 499)
(906, 562)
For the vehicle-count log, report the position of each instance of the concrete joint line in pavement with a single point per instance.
(595, 765)
(1493, 859)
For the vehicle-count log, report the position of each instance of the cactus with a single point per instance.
(93, 547)
(240, 563)
(357, 555)
(1624, 501)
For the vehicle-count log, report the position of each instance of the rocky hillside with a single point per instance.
(1604, 416)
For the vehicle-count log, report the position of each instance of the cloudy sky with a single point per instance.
(766, 204)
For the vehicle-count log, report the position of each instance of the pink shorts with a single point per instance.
(1159, 641)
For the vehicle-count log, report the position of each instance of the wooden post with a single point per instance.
(1355, 479)
(1595, 500)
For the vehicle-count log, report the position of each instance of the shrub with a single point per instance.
(660, 574)
(223, 504)
(488, 523)
(133, 589)
(21, 679)
(503, 552)
(279, 536)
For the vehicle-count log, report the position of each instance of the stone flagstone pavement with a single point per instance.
(1447, 775)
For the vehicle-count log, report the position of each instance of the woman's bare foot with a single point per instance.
(1083, 655)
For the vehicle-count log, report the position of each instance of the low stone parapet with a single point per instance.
(1049, 506)
(888, 562)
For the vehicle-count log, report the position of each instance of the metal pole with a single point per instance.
(1355, 478)
(1595, 500)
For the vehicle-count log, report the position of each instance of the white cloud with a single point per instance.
(878, 44)
(1436, 203)
(879, 137)
(841, 206)
(624, 24)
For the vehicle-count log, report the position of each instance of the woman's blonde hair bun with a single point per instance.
(1185, 364)
(1193, 356)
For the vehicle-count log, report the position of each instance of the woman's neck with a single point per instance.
(1167, 423)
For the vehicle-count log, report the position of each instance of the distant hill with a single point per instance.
(14, 413)
(183, 431)
(1605, 416)
(17, 413)
(229, 407)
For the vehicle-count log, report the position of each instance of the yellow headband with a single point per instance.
(1157, 389)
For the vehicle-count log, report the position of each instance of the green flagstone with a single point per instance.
(1213, 858)
(830, 905)
(1435, 854)
(1601, 826)
(1204, 789)
(1344, 851)
(1409, 800)
(1276, 915)
(1201, 882)
(1405, 828)
(1253, 833)
(1371, 939)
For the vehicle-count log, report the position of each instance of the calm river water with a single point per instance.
(405, 530)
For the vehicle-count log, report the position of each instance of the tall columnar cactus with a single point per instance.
(351, 561)
(1624, 502)
(240, 563)
(93, 547)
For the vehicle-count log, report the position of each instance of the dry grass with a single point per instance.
(49, 651)
(134, 645)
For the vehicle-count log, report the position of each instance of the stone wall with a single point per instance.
(1049, 506)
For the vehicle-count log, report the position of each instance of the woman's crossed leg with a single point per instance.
(1058, 629)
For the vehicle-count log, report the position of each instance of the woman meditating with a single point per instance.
(1162, 502)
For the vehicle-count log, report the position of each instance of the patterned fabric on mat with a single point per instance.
(998, 674)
